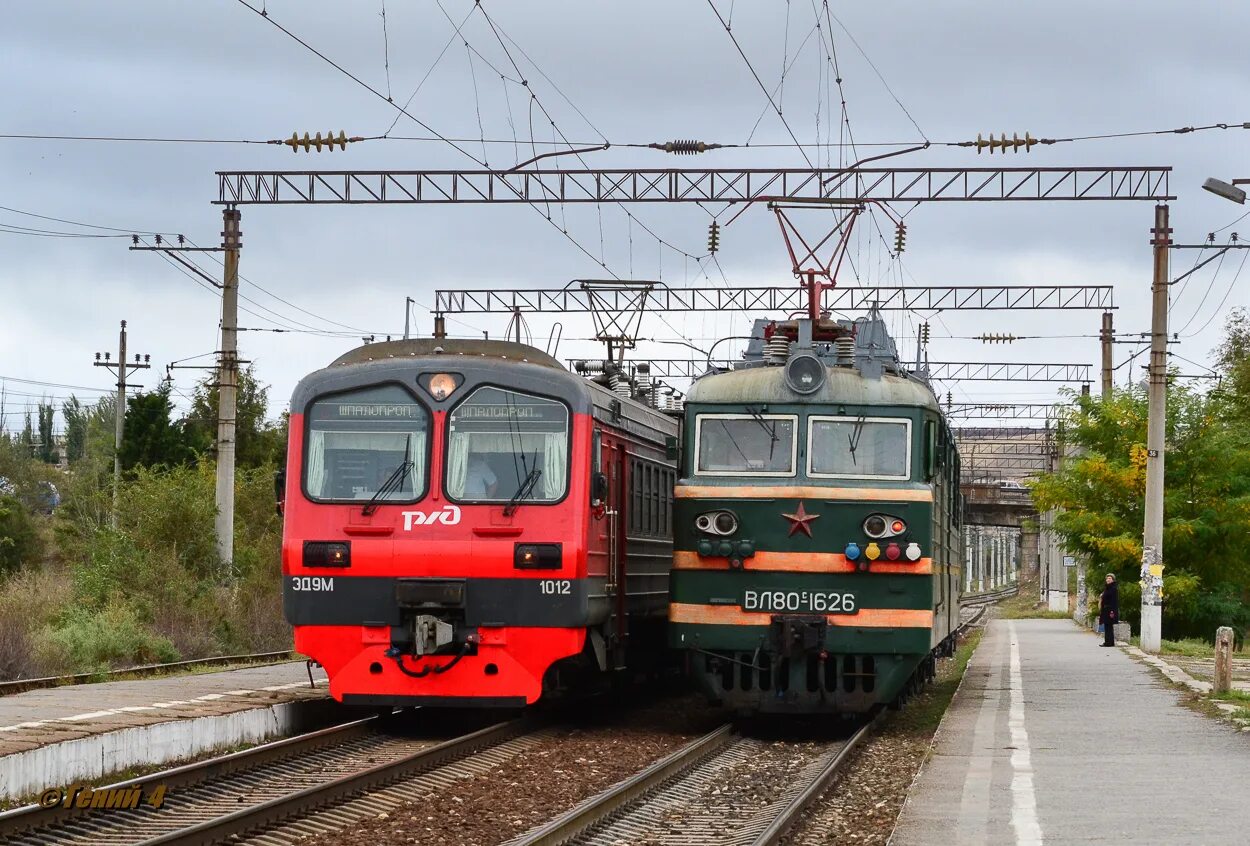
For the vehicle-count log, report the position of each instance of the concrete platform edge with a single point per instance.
(95, 756)
(942, 725)
(1170, 671)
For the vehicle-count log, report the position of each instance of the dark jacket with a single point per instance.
(1109, 604)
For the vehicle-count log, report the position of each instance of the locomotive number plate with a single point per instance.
(806, 601)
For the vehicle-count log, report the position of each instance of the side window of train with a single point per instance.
(598, 479)
(930, 449)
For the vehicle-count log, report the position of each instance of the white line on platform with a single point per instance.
(1023, 798)
(208, 697)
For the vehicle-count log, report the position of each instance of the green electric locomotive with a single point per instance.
(816, 524)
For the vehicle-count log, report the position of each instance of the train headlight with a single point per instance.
(805, 374)
(327, 554)
(537, 556)
(440, 385)
(721, 523)
(878, 526)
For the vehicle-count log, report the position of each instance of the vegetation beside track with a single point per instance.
(80, 595)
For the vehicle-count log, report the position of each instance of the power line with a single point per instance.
(50, 384)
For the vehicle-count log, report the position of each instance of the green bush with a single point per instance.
(19, 539)
(86, 640)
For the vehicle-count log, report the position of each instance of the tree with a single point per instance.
(27, 439)
(1207, 503)
(257, 442)
(47, 439)
(76, 416)
(152, 438)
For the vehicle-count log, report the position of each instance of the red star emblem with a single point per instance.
(800, 520)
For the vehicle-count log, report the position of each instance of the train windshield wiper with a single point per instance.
(770, 428)
(854, 436)
(392, 482)
(523, 490)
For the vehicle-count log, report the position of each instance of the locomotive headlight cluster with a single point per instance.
(722, 523)
(878, 526)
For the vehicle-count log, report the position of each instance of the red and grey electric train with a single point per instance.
(469, 524)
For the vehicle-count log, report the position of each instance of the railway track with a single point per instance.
(12, 686)
(724, 788)
(279, 792)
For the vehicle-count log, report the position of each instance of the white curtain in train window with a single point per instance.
(457, 464)
(315, 463)
(555, 464)
(319, 441)
(520, 450)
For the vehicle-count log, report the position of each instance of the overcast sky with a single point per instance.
(625, 72)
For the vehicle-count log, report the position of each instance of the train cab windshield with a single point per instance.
(360, 441)
(751, 444)
(859, 447)
(505, 446)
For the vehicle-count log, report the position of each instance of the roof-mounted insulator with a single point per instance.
(685, 148)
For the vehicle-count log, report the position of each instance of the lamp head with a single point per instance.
(1228, 191)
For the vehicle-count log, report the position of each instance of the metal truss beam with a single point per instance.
(1005, 463)
(990, 411)
(1020, 449)
(726, 185)
(944, 371)
(782, 299)
(1001, 434)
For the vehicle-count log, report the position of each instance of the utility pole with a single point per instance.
(227, 387)
(119, 430)
(1152, 535)
(408, 301)
(1107, 337)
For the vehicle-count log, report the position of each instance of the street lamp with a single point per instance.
(1228, 191)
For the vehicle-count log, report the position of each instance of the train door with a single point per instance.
(614, 467)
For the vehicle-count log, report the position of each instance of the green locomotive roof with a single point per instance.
(843, 385)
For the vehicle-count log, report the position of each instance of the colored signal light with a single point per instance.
(892, 552)
(913, 552)
(898, 527)
(852, 551)
(872, 552)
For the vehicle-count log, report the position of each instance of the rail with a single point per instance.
(342, 762)
(624, 812)
(7, 688)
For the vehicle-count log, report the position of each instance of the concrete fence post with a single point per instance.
(1223, 660)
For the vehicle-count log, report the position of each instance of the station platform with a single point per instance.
(1052, 739)
(84, 731)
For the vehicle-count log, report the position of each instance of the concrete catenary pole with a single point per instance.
(227, 388)
(1107, 337)
(1152, 535)
(119, 413)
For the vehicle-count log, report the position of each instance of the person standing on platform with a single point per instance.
(1109, 610)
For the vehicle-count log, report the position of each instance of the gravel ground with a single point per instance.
(863, 805)
(540, 782)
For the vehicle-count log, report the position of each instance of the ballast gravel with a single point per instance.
(540, 782)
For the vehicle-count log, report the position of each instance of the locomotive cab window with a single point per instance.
(365, 441)
(859, 447)
(745, 444)
(504, 444)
